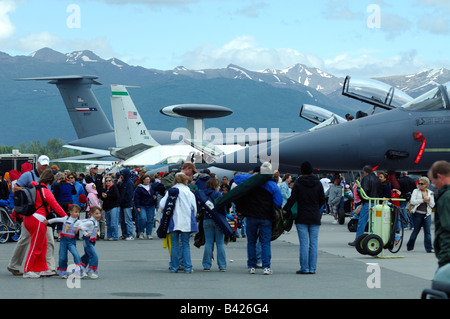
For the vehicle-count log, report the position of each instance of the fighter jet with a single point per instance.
(411, 134)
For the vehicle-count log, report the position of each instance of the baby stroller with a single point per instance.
(10, 227)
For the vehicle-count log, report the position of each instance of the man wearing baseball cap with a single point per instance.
(20, 250)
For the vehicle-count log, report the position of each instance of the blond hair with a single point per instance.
(180, 178)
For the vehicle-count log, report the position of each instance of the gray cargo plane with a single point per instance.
(130, 139)
(410, 134)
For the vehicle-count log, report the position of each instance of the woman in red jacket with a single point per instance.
(35, 264)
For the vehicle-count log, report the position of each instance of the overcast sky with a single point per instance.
(356, 37)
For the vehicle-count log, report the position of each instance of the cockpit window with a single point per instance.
(432, 100)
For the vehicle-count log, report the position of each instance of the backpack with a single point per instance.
(25, 200)
(167, 212)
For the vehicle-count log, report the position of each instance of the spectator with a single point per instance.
(309, 195)
(440, 176)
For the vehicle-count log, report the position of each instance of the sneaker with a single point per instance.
(223, 270)
(47, 273)
(149, 237)
(206, 269)
(31, 274)
(92, 275)
(80, 274)
(141, 236)
(129, 238)
(251, 270)
(267, 271)
(334, 222)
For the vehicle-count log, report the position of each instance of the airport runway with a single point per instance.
(139, 269)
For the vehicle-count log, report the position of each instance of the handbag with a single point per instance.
(409, 208)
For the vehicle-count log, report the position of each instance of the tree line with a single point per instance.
(53, 149)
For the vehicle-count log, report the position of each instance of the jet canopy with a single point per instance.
(375, 93)
(435, 99)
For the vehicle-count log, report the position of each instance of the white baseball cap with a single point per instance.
(44, 160)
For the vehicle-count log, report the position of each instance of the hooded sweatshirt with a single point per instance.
(126, 189)
(92, 197)
(309, 194)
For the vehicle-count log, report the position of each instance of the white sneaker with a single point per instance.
(251, 270)
(267, 271)
(92, 275)
(129, 238)
(31, 274)
(47, 273)
(141, 236)
(334, 222)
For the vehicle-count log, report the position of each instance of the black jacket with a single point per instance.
(371, 185)
(309, 194)
(407, 186)
(112, 198)
(258, 203)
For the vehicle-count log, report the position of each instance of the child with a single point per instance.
(89, 228)
(70, 227)
(92, 197)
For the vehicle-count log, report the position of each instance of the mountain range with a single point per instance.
(260, 99)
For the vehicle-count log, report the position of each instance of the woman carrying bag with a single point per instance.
(423, 200)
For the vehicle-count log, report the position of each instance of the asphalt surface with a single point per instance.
(139, 269)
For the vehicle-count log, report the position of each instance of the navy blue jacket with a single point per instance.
(126, 189)
(144, 198)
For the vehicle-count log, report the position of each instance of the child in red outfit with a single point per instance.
(35, 263)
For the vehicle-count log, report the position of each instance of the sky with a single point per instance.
(342, 37)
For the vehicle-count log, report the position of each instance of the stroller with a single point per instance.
(10, 227)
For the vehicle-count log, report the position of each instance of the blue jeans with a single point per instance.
(308, 236)
(263, 227)
(175, 250)
(407, 217)
(421, 220)
(126, 221)
(145, 219)
(90, 256)
(112, 222)
(363, 219)
(213, 233)
(67, 244)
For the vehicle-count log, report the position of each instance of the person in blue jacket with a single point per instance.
(258, 207)
(144, 202)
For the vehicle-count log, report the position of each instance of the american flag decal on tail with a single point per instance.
(132, 115)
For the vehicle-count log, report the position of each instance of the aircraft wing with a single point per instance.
(93, 151)
(160, 154)
(375, 93)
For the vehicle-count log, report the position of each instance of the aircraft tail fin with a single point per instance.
(128, 125)
(85, 112)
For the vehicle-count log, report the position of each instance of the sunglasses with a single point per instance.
(421, 184)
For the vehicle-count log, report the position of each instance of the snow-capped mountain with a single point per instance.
(418, 83)
(311, 77)
(76, 57)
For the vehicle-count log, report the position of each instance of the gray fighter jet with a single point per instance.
(410, 134)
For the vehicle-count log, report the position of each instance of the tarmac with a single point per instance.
(138, 269)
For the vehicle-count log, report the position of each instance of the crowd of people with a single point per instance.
(124, 205)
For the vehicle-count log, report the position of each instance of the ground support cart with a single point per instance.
(384, 229)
